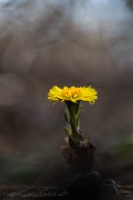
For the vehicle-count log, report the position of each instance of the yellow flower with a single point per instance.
(73, 94)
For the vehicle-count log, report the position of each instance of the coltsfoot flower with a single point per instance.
(73, 94)
(72, 97)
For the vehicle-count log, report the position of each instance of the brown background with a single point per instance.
(44, 44)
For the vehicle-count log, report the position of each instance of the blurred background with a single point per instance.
(64, 42)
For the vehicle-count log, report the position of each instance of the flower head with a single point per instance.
(73, 94)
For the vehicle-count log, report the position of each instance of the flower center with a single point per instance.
(71, 92)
